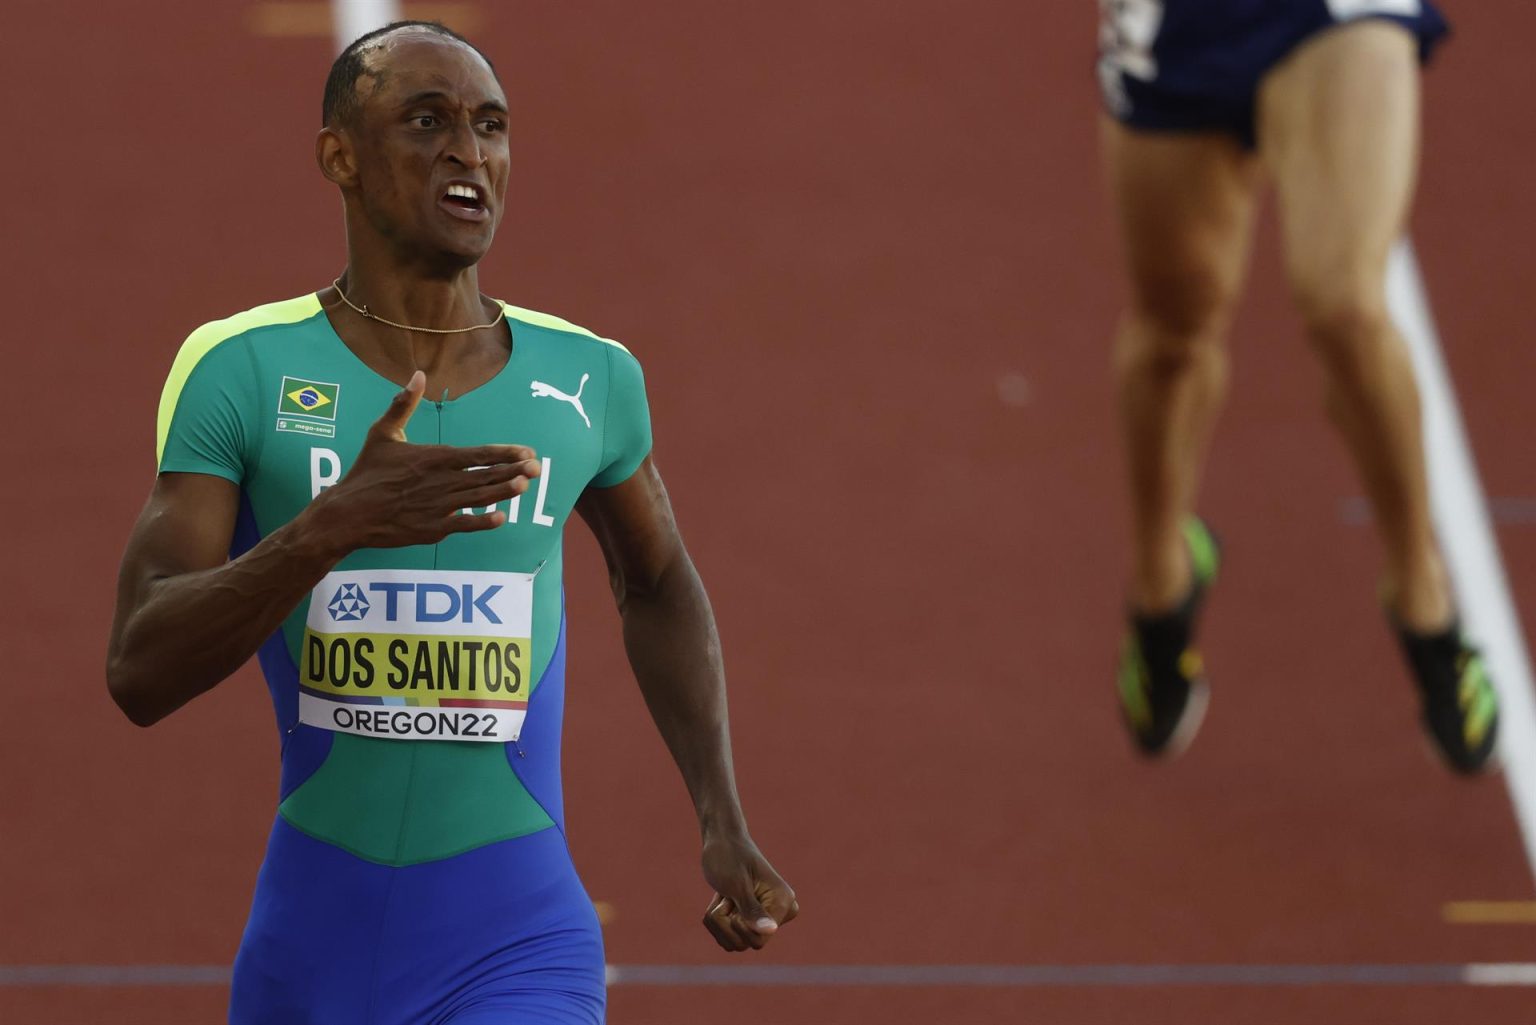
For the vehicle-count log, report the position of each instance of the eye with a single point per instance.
(492, 124)
(424, 120)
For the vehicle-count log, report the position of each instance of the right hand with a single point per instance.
(399, 494)
(751, 900)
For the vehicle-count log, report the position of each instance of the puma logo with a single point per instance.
(549, 391)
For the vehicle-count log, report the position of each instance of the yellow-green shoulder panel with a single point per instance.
(552, 322)
(203, 341)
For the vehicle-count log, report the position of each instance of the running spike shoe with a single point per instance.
(1461, 708)
(1163, 693)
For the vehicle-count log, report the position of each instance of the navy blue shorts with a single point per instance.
(1196, 65)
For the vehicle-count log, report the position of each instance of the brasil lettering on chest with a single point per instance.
(325, 470)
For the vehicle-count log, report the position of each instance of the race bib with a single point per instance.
(418, 654)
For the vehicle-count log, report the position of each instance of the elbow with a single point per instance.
(629, 595)
(628, 589)
(660, 583)
(129, 697)
(136, 709)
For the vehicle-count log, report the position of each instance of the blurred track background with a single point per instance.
(862, 250)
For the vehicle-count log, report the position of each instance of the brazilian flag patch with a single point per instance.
(314, 399)
(307, 407)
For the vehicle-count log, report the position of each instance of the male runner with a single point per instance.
(1205, 97)
(366, 487)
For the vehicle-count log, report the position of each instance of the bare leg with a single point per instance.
(1185, 204)
(1339, 132)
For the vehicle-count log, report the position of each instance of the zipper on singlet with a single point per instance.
(440, 409)
(439, 405)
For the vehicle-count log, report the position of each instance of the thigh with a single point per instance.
(1338, 131)
(1185, 204)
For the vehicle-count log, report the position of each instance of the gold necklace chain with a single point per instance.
(363, 311)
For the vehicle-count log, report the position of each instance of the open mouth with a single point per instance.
(465, 199)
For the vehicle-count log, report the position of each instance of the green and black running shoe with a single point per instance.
(1162, 685)
(1461, 708)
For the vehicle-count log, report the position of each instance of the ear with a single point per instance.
(334, 154)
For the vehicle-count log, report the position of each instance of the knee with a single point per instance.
(1346, 322)
(1180, 321)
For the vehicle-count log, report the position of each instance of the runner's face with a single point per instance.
(432, 146)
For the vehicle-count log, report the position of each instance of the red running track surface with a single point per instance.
(862, 251)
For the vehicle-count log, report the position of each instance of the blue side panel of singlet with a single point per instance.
(303, 747)
(535, 758)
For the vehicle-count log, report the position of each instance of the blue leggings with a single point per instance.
(502, 934)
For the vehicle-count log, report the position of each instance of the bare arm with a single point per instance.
(673, 647)
(186, 618)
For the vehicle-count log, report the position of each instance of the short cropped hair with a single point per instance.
(340, 104)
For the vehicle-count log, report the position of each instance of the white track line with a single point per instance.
(882, 976)
(1096, 976)
(354, 18)
(1466, 534)
(1499, 975)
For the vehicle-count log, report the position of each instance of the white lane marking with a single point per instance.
(1461, 517)
(353, 18)
(1500, 975)
(1002, 976)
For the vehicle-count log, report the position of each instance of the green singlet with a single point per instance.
(418, 690)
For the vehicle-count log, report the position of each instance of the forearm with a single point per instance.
(190, 631)
(674, 649)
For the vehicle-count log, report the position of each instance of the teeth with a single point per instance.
(463, 192)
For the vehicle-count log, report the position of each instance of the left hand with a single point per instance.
(751, 900)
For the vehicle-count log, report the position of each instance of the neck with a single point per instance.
(408, 295)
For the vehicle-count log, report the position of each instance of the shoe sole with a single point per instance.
(1189, 723)
(1492, 766)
